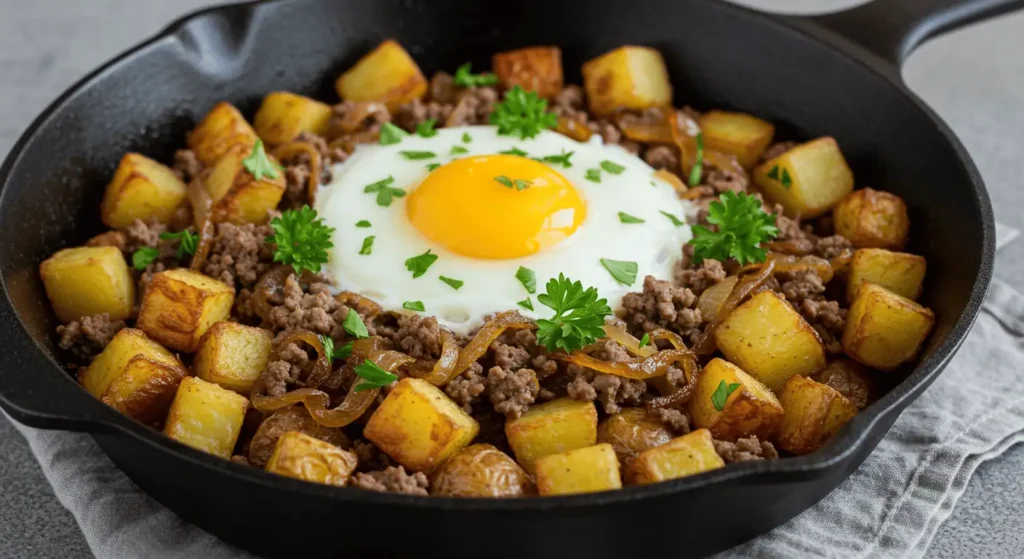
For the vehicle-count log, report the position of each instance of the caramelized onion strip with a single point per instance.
(270, 283)
(440, 371)
(202, 214)
(791, 264)
(628, 341)
(362, 305)
(322, 367)
(638, 369)
(744, 287)
(355, 119)
(476, 347)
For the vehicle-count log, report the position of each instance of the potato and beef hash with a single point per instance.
(208, 310)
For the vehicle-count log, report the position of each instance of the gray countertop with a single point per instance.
(973, 78)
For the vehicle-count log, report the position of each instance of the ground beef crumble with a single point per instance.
(86, 338)
(467, 388)
(776, 149)
(744, 450)
(664, 305)
(186, 165)
(419, 336)
(697, 280)
(677, 420)
(239, 254)
(611, 391)
(510, 392)
(391, 480)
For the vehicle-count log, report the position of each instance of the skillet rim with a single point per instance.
(102, 420)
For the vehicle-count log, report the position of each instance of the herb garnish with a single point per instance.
(464, 78)
(742, 227)
(413, 306)
(385, 192)
(302, 239)
(612, 167)
(187, 242)
(784, 178)
(644, 340)
(332, 352)
(425, 129)
(259, 164)
(466, 138)
(353, 324)
(623, 271)
(418, 264)
(433, 166)
(562, 159)
(522, 114)
(367, 245)
(593, 175)
(142, 258)
(373, 376)
(518, 184)
(675, 220)
(528, 278)
(698, 163)
(458, 150)
(514, 151)
(579, 315)
(626, 218)
(526, 303)
(417, 155)
(454, 283)
(391, 134)
(362, 223)
(721, 394)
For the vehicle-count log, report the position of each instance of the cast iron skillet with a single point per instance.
(802, 73)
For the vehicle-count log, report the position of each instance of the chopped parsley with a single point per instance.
(504, 181)
(644, 341)
(578, 319)
(518, 184)
(698, 164)
(593, 175)
(142, 258)
(514, 151)
(465, 78)
(742, 227)
(433, 166)
(187, 242)
(623, 271)
(362, 223)
(458, 150)
(425, 129)
(418, 155)
(562, 159)
(418, 264)
(391, 134)
(675, 220)
(612, 167)
(413, 306)
(302, 239)
(373, 376)
(522, 114)
(353, 324)
(385, 192)
(454, 283)
(528, 278)
(259, 164)
(367, 245)
(333, 352)
(783, 178)
(626, 218)
(466, 138)
(526, 303)
(721, 394)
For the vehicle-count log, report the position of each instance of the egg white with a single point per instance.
(491, 285)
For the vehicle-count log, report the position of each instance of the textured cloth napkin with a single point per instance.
(890, 507)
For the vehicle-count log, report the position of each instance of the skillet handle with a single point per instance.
(892, 29)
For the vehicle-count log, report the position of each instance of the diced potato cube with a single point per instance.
(628, 77)
(141, 189)
(300, 456)
(739, 134)
(583, 470)
(134, 375)
(552, 427)
(690, 454)
(387, 75)
(873, 219)
(813, 413)
(899, 272)
(84, 281)
(807, 180)
(237, 195)
(480, 470)
(883, 329)
(180, 306)
(419, 426)
(632, 431)
(233, 355)
(206, 417)
(750, 409)
(220, 131)
(533, 69)
(284, 115)
(768, 339)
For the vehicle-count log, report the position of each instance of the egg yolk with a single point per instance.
(465, 207)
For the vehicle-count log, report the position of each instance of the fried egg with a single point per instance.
(456, 222)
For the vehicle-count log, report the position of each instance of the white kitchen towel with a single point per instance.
(890, 507)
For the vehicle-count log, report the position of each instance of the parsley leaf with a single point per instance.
(413, 306)
(143, 257)
(425, 129)
(528, 278)
(332, 352)
(514, 151)
(187, 242)
(698, 164)
(505, 181)
(259, 164)
(721, 394)
(612, 167)
(367, 245)
(526, 304)
(353, 324)
(464, 78)
(562, 159)
(417, 155)
(623, 271)
(522, 184)
(579, 315)
(781, 177)
(675, 220)
(458, 150)
(343, 352)
(391, 134)
(742, 227)
(433, 166)
(466, 138)
(787, 181)
(385, 192)
(644, 340)
(456, 284)
(373, 376)
(626, 218)
(593, 175)
(362, 223)
(522, 114)
(418, 264)
(302, 239)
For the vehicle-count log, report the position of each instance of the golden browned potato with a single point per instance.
(300, 456)
(206, 417)
(732, 404)
(690, 454)
(533, 69)
(84, 281)
(180, 306)
(551, 427)
(628, 77)
(480, 470)
(295, 418)
(387, 75)
(238, 196)
(632, 431)
(141, 189)
(134, 375)
(899, 272)
(851, 379)
(419, 426)
(814, 412)
(769, 340)
(284, 115)
(807, 180)
(873, 219)
(583, 470)
(739, 134)
(221, 130)
(884, 330)
(233, 355)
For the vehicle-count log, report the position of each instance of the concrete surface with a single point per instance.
(973, 78)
